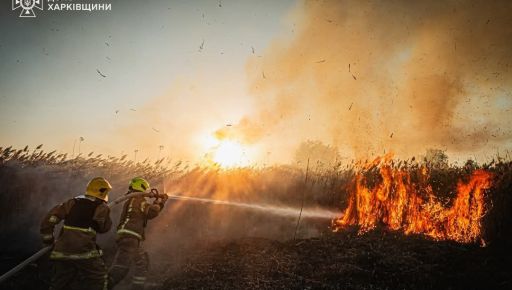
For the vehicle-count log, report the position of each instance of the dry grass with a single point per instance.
(34, 180)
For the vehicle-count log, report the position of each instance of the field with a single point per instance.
(417, 225)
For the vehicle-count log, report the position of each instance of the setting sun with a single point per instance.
(229, 154)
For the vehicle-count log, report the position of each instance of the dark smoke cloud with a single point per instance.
(388, 75)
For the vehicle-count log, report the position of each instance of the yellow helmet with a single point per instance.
(99, 188)
(139, 184)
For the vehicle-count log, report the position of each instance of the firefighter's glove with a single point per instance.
(164, 197)
(155, 193)
(48, 240)
(161, 200)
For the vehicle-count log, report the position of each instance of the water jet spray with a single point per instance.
(273, 209)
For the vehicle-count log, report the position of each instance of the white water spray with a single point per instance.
(276, 210)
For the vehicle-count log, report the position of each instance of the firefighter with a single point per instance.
(76, 257)
(130, 235)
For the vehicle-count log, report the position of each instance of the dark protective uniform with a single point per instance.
(130, 234)
(76, 256)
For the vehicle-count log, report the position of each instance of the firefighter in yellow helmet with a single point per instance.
(130, 235)
(75, 254)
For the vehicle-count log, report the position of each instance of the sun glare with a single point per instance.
(229, 154)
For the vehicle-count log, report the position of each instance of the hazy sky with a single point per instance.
(51, 92)
(365, 76)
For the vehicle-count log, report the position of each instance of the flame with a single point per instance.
(404, 200)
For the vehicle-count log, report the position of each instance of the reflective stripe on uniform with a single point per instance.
(65, 256)
(138, 279)
(86, 230)
(105, 282)
(47, 237)
(130, 206)
(122, 230)
(125, 231)
(143, 206)
(53, 219)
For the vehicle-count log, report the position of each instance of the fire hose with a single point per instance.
(43, 251)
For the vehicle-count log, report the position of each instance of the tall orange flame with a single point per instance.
(404, 202)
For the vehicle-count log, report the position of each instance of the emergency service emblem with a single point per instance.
(27, 7)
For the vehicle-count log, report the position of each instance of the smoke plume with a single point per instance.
(369, 76)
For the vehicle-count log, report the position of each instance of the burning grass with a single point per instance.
(403, 199)
(436, 207)
(448, 203)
